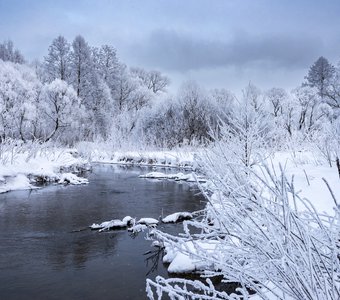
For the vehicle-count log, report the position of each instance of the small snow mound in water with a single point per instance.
(113, 224)
(177, 217)
(70, 178)
(148, 221)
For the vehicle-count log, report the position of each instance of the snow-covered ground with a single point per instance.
(24, 169)
(308, 171)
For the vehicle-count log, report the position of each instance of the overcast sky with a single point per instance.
(217, 43)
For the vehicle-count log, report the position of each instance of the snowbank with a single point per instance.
(24, 168)
(169, 159)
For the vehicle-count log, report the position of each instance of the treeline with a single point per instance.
(84, 93)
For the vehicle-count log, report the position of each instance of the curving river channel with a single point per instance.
(42, 258)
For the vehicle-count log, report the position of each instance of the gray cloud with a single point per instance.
(170, 50)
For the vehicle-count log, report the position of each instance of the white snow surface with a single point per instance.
(173, 218)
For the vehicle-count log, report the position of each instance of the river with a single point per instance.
(42, 258)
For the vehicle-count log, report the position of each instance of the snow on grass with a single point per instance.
(308, 172)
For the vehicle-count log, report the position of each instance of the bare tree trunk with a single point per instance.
(20, 128)
(337, 161)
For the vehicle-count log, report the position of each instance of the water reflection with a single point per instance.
(46, 254)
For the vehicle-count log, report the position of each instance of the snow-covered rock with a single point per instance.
(113, 224)
(70, 178)
(177, 217)
(148, 221)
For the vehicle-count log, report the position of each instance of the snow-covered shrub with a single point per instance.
(264, 242)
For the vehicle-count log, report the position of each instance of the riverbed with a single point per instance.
(47, 251)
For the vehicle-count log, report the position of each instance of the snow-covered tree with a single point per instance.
(277, 98)
(308, 100)
(320, 75)
(107, 64)
(248, 131)
(8, 53)
(19, 94)
(81, 66)
(153, 80)
(58, 59)
(195, 106)
(61, 108)
(333, 93)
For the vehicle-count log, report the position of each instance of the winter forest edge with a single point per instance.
(259, 152)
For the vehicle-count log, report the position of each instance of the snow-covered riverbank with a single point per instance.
(22, 169)
(180, 158)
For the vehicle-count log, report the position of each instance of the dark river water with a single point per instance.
(41, 258)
